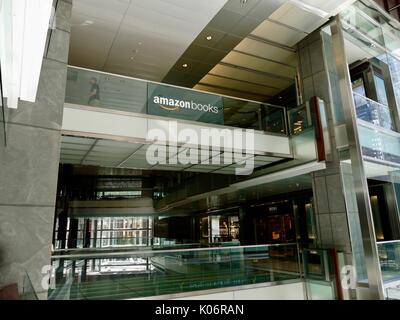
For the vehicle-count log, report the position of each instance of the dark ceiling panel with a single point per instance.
(227, 29)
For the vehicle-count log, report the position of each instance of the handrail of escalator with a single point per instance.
(141, 251)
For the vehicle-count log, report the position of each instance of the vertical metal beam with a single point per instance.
(375, 286)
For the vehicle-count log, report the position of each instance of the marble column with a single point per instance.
(29, 166)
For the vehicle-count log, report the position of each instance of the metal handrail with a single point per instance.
(388, 242)
(373, 101)
(149, 252)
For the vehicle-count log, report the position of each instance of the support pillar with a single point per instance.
(29, 166)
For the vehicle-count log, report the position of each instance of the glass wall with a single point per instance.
(372, 45)
(372, 42)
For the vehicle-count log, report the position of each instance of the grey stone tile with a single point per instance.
(316, 57)
(325, 230)
(47, 111)
(304, 62)
(335, 193)
(326, 238)
(321, 85)
(308, 88)
(340, 231)
(25, 243)
(63, 15)
(29, 166)
(330, 169)
(320, 195)
(59, 46)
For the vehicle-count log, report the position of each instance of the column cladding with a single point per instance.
(29, 166)
(330, 203)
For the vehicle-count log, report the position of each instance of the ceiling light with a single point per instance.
(135, 50)
(209, 38)
(139, 43)
(185, 65)
(86, 23)
(132, 58)
(244, 1)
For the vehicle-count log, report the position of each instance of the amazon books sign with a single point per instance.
(184, 104)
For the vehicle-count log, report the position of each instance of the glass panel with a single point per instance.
(373, 112)
(317, 270)
(389, 257)
(150, 273)
(359, 87)
(352, 216)
(299, 119)
(114, 92)
(369, 37)
(381, 89)
(379, 144)
(361, 18)
(338, 115)
(93, 88)
(242, 114)
(274, 119)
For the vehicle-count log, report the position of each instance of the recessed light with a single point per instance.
(135, 50)
(87, 23)
(132, 58)
(209, 38)
(185, 65)
(244, 1)
(139, 43)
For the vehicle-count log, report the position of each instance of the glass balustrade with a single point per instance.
(149, 272)
(393, 293)
(319, 274)
(373, 112)
(379, 144)
(104, 90)
(299, 119)
(389, 258)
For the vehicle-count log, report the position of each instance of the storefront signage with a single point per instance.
(184, 104)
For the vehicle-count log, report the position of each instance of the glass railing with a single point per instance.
(393, 293)
(379, 144)
(319, 274)
(373, 112)
(142, 273)
(361, 17)
(99, 89)
(389, 258)
(299, 119)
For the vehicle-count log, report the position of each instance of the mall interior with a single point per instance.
(304, 93)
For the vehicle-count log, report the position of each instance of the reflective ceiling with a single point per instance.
(234, 47)
(137, 38)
